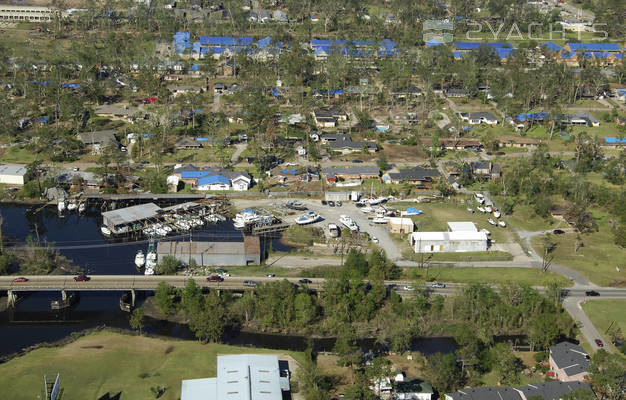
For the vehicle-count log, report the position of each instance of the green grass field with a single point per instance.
(603, 312)
(597, 259)
(436, 216)
(503, 275)
(113, 363)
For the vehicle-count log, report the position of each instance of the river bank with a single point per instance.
(109, 363)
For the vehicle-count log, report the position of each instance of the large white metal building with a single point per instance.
(240, 377)
(441, 242)
(25, 13)
(12, 174)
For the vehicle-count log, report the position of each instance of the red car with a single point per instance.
(215, 278)
(599, 343)
(81, 278)
(20, 279)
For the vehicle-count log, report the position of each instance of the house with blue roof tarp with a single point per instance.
(212, 178)
(614, 143)
(606, 53)
(292, 175)
(322, 48)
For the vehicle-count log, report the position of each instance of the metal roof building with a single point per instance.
(462, 227)
(12, 174)
(243, 252)
(239, 377)
(436, 242)
(129, 215)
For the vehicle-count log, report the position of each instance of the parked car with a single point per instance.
(82, 278)
(558, 231)
(599, 343)
(220, 271)
(375, 240)
(20, 279)
(357, 161)
(270, 275)
(250, 283)
(305, 281)
(338, 204)
(324, 202)
(331, 203)
(592, 293)
(438, 285)
(215, 278)
(407, 288)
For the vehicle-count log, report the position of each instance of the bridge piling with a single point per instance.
(11, 298)
(132, 297)
(63, 295)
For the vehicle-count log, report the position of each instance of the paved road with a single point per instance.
(589, 331)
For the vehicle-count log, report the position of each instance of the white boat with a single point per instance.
(470, 209)
(380, 220)
(105, 231)
(411, 211)
(308, 218)
(376, 200)
(502, 224)
(349, 223)
(367, 209)
(492, 222)
(140, 259)
(497, 214)
(482, 210)
(71, 206)
(479, 196)
(333, 230)
(61, 205)
(488, 209)
(151, 263)
(244, 218)
(81, 208)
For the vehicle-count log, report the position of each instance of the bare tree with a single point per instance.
(547, 256)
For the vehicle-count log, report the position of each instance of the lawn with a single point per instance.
(17, 154)
(603, 313)
(436, 216)
(597, 259)
(113, 363)
(461, 257)
(496, 275)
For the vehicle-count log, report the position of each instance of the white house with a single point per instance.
(301, 151)
(477, 118)
(438, 242)
(241, 183)
(12, 174)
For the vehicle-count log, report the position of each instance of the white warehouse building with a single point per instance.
(448, 242)
(13, 174)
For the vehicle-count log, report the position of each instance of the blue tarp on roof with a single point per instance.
(539, 116)
(594, 46)
(193, 174)
(194, 67)
(202, 139)
(362, 43)
(433, 43)
(614, 140)
(411, 210)
(71, 85)
(457, 54)
(475, 45)
(503, 52)
(275, 92)
(326, 42)
(553, 47)
(225, 41)
(213, 179)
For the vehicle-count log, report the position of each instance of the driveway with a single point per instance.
(589, 331)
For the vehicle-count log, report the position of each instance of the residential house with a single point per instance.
(436, 242)
(184, 89)
(414, 389)
(328, 118)
(187, 143)
(516, 141)
(620, 121)
(485, 170)
(477, 118)
(345, 145)
(484, 393)
(400, 225)
(453, 143)
(569, 362)
(580, 118)
(402, 94)
(423, 178)
(292, 175)
(226, 68)
(456, 92)
(213, 178)
(525, 119)
(98, 140)
(117, 112)
(331, 174)
(550, 390)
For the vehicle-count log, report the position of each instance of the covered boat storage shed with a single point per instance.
(213, 253)
(122, 220)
